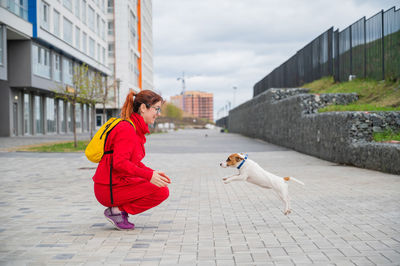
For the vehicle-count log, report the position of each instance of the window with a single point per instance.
(1, 45)
(89, 118)
(77, 8)
(136, 76)
(110, 6)
(91, 19)
(69, 117)
(57, 67)
(18, 7)
(84, 42)
(132, 23)
(91, 47)
(132, 61)
(111, 28)
(44, 15)
(67, 71)
(78, 117)
(98, 25)
(38, 115)
(104, 56)
(111, 49)
(67, 31)
(84, 12)
(103, 29)
(41, 61)
(132, 29)
(27, 114)
(50, 115)
(68, 4)
(77, 38)
(85, 118)
(56, 23)
(61, 116)
(98, 52)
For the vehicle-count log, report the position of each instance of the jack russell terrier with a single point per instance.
(251, 172)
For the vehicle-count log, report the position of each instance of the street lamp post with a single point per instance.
(118, 83)
(183, 89)
(227, 107)
(234, 96)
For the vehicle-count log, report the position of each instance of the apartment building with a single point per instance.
(40, 43)
(197, 103)
(130, 47)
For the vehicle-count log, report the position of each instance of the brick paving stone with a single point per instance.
(343, 216)
(225, 262)
(243, 258)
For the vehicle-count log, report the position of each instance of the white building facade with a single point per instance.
(130, 47)
(40, 43)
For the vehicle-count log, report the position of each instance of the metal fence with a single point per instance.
(369, 48)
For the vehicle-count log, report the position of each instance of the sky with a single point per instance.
(222, 44)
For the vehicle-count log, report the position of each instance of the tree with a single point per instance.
(88, 87)
(103, 92)
(172, 111)
(94, 95)
(77, 93)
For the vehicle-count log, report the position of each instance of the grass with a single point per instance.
(387, 136)
(357, 107)
(58, 147)
(373, 95)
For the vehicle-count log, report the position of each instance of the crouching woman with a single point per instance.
(122, 182)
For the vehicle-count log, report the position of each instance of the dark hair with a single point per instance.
(134, 101)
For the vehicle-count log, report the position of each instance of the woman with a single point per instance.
(135, 188)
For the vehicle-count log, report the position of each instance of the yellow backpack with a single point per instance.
(95, 149)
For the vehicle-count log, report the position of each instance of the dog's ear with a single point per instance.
(238, 158)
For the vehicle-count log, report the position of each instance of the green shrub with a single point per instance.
(387, 135)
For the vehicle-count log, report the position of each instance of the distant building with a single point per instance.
(197, 103)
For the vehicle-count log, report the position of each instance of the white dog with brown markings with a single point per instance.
(251, 172)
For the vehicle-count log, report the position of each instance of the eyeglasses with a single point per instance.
(158, 109)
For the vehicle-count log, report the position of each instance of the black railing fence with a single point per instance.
(369, 48)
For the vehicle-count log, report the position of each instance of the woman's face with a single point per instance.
(150, 114)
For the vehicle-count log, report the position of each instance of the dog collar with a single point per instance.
(240, 165)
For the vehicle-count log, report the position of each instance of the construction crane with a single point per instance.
(183, 89)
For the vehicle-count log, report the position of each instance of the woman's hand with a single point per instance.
(160, 179)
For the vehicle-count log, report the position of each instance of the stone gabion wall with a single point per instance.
(312, 102)
(290, 118)
(367, 123)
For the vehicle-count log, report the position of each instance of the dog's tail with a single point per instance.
(288, 178)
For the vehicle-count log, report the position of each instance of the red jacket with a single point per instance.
(128, 146)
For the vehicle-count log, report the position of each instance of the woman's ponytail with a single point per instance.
(127, 109)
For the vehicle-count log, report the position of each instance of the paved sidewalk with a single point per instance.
(343, 216)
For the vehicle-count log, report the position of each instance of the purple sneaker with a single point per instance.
(125, 215)
(119, 220)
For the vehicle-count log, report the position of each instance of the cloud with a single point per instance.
(224, 43)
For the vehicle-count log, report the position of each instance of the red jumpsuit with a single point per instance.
(131, 188)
